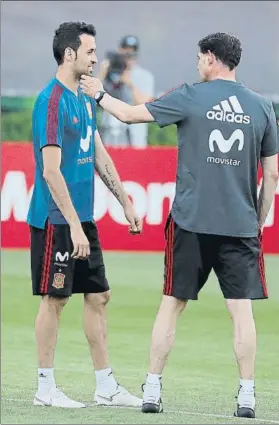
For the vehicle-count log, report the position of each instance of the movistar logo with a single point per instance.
(62, 257)
(85, 143)
(217, 142)
(225, 145)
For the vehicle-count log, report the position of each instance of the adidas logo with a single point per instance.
(229, 110)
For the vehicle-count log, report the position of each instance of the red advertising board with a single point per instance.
(148, 176)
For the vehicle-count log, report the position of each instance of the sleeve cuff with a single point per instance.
(269, 153)
(50, 144)
(156, 116)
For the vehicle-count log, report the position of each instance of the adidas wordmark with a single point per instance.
(229, 110)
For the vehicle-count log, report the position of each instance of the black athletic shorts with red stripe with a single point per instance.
(189, 258)
(55, 272)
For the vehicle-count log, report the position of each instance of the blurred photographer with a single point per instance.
(124, 79)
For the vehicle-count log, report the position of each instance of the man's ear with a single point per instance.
(69, 54)
(211, 58)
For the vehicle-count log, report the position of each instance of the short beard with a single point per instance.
(78, 75)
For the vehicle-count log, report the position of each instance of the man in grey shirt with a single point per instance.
(216, 221)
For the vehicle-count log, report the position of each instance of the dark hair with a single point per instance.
(68, 35)
(225, 47)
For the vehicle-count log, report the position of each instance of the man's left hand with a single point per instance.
(90, 85)
(135, 222)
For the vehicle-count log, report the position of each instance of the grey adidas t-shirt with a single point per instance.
(223, 130)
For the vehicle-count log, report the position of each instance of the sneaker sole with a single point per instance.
(41, 403)
(102, 401)
(151, 408)
(245, 412)
(136, 406)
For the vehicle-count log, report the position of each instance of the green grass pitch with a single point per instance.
(200, 380)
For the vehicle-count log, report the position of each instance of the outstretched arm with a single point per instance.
(121, 110)
(171, 108)
(124, 112)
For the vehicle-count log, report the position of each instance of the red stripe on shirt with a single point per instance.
(167, 92)
(52, 115)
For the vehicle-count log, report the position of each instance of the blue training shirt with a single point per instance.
(68, 121)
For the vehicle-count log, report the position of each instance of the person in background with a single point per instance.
(130, 83)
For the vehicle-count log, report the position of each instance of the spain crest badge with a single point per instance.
(58, 280)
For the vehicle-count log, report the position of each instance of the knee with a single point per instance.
(104, 298)
(180, 305)
(173, 304)
(97, 301)
(240, 310)
(55, 303)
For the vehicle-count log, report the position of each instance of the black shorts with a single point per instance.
(55, 272)
(189, 258)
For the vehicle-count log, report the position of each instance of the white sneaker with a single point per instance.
(122, 397)
(56, 398)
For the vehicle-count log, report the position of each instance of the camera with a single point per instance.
(117, 65)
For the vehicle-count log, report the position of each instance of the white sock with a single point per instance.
(152, 390)
(46, 380)
(247, 385)
(105, 381)
(246, 395)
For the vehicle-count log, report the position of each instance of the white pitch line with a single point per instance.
(214, 415)
(209, 415)
(173, 412)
